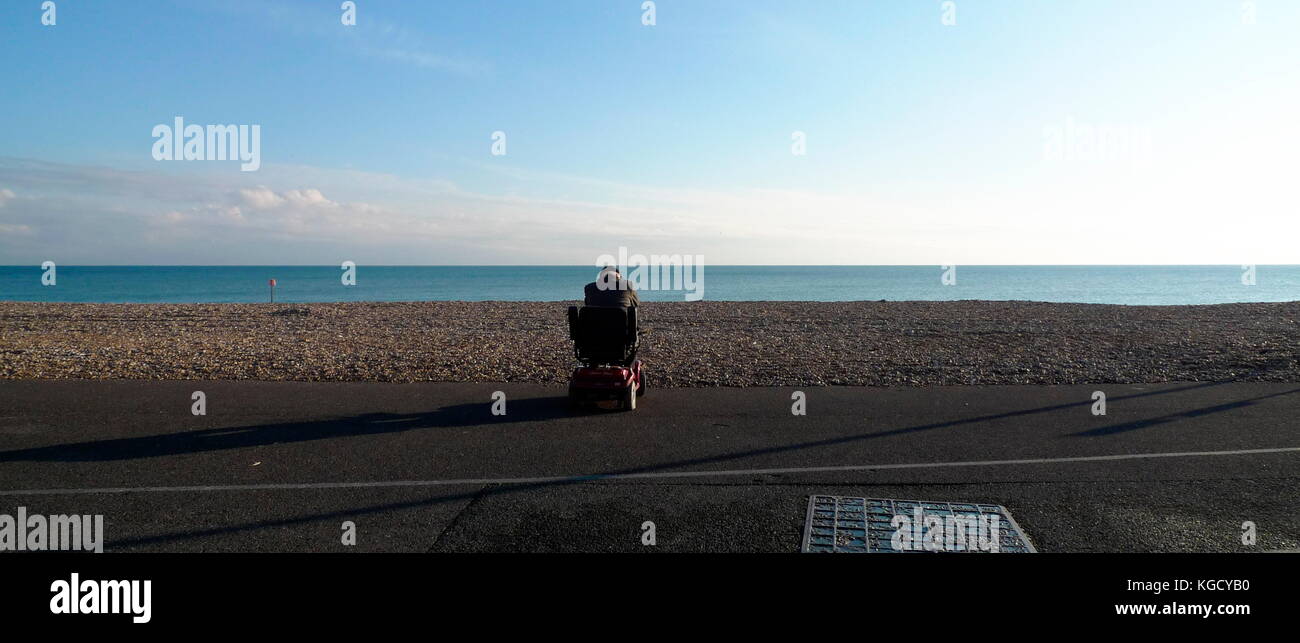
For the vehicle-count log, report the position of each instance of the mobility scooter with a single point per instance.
(605, 342)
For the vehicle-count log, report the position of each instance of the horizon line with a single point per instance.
(593, 266)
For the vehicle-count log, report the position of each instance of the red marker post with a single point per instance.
(272, 282)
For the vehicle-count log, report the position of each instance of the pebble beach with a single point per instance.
(684, 344)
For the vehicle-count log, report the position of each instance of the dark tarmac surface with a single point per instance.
(427, 467)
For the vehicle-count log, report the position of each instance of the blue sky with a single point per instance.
(925, 142)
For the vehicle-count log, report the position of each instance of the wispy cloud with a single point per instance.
(310, 215)
(372, 36)
(426, 60)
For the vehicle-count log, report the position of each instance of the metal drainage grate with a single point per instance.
(864, 525)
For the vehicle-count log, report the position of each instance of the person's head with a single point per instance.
(608, 278)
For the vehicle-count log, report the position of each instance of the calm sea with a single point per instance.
(1088, 284)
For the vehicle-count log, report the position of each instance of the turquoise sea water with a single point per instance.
(1087, 284)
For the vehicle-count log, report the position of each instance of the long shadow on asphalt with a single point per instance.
(1173, 417)
(473, 414)
(201, 440)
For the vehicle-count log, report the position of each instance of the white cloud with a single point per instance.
(260, 198)
(5, 195)
(308, 198)
(263, 198)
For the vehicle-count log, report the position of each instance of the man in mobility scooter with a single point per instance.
(604, 334)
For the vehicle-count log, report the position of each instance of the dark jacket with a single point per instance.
(624, 295)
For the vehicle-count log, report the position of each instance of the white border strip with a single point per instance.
(596, 477)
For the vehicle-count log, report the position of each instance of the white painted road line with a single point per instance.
(596, 477)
